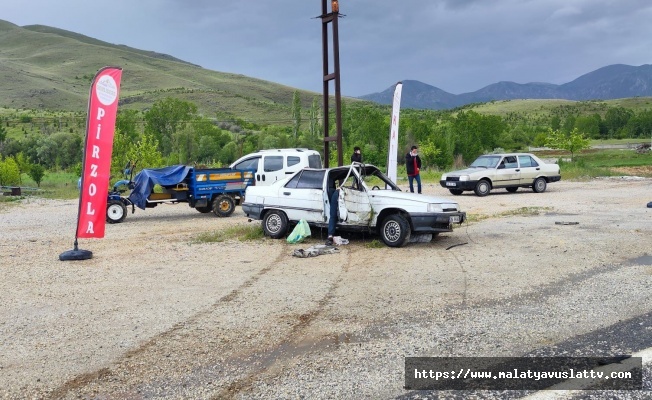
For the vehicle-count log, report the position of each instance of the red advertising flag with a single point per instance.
(100, 127)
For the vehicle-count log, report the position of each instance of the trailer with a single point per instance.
(205, 189)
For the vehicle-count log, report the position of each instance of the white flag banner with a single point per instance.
(393, 134)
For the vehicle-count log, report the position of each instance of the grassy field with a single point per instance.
(55, 185)
(588, 164)
(592, 163)
(546, 108)
(618, 141)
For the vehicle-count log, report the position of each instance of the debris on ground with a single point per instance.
(314, 251)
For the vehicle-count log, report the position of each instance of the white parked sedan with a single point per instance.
(509, 171)
(368, 201)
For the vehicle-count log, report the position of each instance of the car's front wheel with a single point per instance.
(539, 185)
(395, 230)
(275, 224)
(482, 188)
(456, 192)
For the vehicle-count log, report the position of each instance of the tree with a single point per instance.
(61, 149)
(37, 172)
(145, 152)
(9, 172)
(429, 152)
(315, 128)
(640, 125)
(572, 142)
(23, 165)
(615, 119)
(589, 124)
(119, 156)
(185, 143)
(569, 124)
(474, 134)
(127, 123)
(165, 118)
(296, 115)
(228, 154)
(3, 132)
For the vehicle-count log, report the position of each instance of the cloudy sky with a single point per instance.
(456, 45)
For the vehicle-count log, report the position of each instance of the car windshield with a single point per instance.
(485, 162)
(373, 177)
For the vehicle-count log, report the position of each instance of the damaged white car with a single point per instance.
(368, 201)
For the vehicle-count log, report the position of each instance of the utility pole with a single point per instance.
(328, 18)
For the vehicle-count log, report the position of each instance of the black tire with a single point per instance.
(204, 209)
(116, 211)
(395, 230)
(456, 192)
(223, 205)
(482, 188)
(512, 189)
(275, 224)
(539, 185)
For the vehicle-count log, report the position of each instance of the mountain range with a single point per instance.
(48, 68)
(611, 82)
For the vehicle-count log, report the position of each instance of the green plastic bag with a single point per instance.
(300, 232)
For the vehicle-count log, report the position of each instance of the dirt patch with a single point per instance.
(645, 171)
(155, 314)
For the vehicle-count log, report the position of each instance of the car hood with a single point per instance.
(406, 196)
(467, 171)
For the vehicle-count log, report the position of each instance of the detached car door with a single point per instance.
(302, 196)
(355, 200)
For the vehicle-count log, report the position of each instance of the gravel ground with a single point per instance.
(155, 315)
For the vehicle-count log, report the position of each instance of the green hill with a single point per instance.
(45, 68)
(547, 108)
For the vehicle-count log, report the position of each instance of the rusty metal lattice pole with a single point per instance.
(327, 18)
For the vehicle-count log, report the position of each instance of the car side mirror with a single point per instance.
(501, 166)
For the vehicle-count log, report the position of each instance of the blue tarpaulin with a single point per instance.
(147, 178)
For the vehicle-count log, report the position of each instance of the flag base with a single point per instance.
(71, 255)
(76, 254)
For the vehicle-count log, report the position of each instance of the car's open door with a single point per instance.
(354, 204)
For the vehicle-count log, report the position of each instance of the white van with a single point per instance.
(275, 164)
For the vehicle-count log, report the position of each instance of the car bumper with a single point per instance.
(554, 178)
(438, 222)
(251, 210)
(459, 185)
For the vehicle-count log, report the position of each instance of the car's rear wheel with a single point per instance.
(275, 224)
(456, 192)
(512, 189)
(395, 230)
(539, 185)
(482, 188)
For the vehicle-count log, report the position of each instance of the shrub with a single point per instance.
(9, 172)
(37, 172)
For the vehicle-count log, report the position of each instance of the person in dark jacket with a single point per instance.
(413, 165)
(357, 155)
